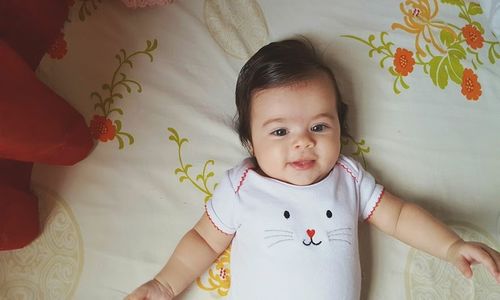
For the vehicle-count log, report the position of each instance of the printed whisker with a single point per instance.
(280, 241)
(340, 240)
(338, 233)
(278, 235)
(278, 230)
(339, 229)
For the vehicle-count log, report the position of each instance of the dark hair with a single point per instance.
(278, 64)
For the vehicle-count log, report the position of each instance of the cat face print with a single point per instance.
(307, 228)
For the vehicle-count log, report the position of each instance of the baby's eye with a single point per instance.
(319, 128)
(329, 214)
(279, 132)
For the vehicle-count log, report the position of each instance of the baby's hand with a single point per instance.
(463, 254)
(151, 290)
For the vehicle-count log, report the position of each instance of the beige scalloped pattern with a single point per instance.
(50, 267)
(238, 26)
(430, 278)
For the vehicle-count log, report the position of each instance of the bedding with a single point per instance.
(156, 86)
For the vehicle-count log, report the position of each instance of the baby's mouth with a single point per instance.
(302, 164)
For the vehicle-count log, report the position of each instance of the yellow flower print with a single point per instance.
(419, 19)
(219, 276)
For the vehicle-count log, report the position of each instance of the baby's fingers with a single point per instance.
(495, 256)
(464, 266)
(489, 258)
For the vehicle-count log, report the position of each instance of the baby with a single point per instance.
(291, 210)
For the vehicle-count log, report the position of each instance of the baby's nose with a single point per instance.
(304, 141)
(310, 232)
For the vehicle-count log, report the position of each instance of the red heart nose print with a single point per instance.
(311, 232)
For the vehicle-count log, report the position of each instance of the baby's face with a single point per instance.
(296, 131)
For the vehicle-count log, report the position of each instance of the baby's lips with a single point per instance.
(303, 164)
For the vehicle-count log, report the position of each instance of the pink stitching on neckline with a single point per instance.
(376, 205)
(347, 170)
(242, 179)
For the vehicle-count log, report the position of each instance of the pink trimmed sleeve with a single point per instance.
(376, 205)
(222, 208)
(369, 192)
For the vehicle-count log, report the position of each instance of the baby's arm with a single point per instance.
(193, 255)
(416, 227)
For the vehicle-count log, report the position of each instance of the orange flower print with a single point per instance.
(59, 48)
(102, 128)
(473, 36)
(470, 86)
(403, 61)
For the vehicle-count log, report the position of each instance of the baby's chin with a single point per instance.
(294, 177)
(303, 180)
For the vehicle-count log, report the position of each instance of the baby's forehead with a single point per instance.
(297, 83)
(316, 93)
(297, 80)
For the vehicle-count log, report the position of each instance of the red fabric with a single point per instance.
(36, 125)
(19, 222)
(30, 26)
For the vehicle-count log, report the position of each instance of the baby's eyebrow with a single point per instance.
(325, 115)
(273, 120)
(282, 120)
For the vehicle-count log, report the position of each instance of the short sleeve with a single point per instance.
(222, 208)
(368, 191)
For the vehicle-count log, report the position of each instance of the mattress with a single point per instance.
(156, 86)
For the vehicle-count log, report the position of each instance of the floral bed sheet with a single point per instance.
(156, 85)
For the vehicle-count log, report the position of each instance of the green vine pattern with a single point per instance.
(361, 148)
(387, 53)
(443, 56)
(112, 92)
(218, 275)
(200, 182)
(493, 54)
(87, 7)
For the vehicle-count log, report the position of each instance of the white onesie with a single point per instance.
(294, 242)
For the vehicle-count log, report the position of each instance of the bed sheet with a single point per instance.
(156, 85)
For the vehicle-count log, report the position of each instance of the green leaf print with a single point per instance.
(446, 37)
(114, 91)
(438, 72)
(453, 2)
(361, 148)
(474, 9)
(493, 54)
(200, 181)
